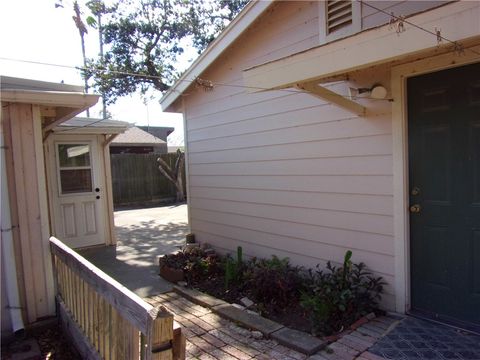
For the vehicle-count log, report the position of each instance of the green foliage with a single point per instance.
(145, 37)
(234, 269)
(195, 262)
(274, 281)
(338, 297)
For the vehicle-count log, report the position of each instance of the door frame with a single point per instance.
(401, 225)
(53, 180)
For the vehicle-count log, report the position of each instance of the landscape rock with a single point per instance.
(246, 302)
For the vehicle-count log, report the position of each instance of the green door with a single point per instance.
(444, 182)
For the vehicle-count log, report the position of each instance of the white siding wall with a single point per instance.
(283, 172)
(372, 17)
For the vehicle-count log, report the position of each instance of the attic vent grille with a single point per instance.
(339, 14)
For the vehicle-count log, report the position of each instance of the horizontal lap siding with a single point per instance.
(372, 17)
(283, 172)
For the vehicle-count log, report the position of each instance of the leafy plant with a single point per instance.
(339, 296)
(196, 263)
(233, 269)
(274, 281)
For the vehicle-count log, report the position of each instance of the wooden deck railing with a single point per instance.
(105, 319)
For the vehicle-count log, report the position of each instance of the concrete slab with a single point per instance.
(298, 340)
(251, 321)
(198, 297)
(143, 235)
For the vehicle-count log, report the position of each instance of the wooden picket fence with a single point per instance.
(104, 319)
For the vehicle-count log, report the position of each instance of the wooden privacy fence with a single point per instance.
(106, 320)
(136, 179)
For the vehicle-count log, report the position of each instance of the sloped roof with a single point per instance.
(239, 24)
(70, 100)
(92, 125)
(136, 136)
(160, 132)
(14, 83)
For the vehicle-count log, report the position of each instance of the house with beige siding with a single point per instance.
(317, 127)
(55, 180)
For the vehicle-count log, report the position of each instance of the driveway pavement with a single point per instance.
(143, 235)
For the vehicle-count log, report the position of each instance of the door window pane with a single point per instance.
(73, 155)
(76, 181)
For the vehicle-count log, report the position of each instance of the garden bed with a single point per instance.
(320, 301)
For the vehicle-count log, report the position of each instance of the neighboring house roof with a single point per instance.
(92, 126)
(239, 24)
(160, 132)
(136, 136)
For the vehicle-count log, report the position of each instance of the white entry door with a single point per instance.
(78, 193)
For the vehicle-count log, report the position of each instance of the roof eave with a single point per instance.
(71, 103)
(238, 25)
(369, 48)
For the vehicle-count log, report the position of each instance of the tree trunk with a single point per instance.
(175, 176)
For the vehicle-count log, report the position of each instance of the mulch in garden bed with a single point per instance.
(294, 316)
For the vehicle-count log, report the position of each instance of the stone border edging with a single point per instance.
(293, 339)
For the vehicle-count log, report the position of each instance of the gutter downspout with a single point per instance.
(8, 255)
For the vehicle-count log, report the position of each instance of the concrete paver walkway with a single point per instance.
(143, 235)
(211, 337)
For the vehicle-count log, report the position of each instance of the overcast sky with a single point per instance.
(35, 30)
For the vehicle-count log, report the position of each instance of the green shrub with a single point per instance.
(234, 269)
(337, 297)
(195, 262)
(273, 281)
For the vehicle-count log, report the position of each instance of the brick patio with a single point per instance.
(211, 337)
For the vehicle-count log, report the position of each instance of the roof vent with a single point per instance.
(339, 15)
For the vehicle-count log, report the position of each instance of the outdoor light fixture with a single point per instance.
(377, 91)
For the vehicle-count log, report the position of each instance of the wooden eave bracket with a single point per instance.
(109, 139)
(325, 94)
(61, 115)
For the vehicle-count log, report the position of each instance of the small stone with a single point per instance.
(257, 335)
(371, 316)
(247, 302)
(182, 283)
(238, 306)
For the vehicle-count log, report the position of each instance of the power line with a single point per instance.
(437, 34)
(190, 81)
(207, 84)
(79, 127)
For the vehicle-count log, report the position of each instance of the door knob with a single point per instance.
(98, 197)
(415, 208)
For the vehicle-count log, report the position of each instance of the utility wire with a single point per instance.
(437, 35)
(190, 81)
